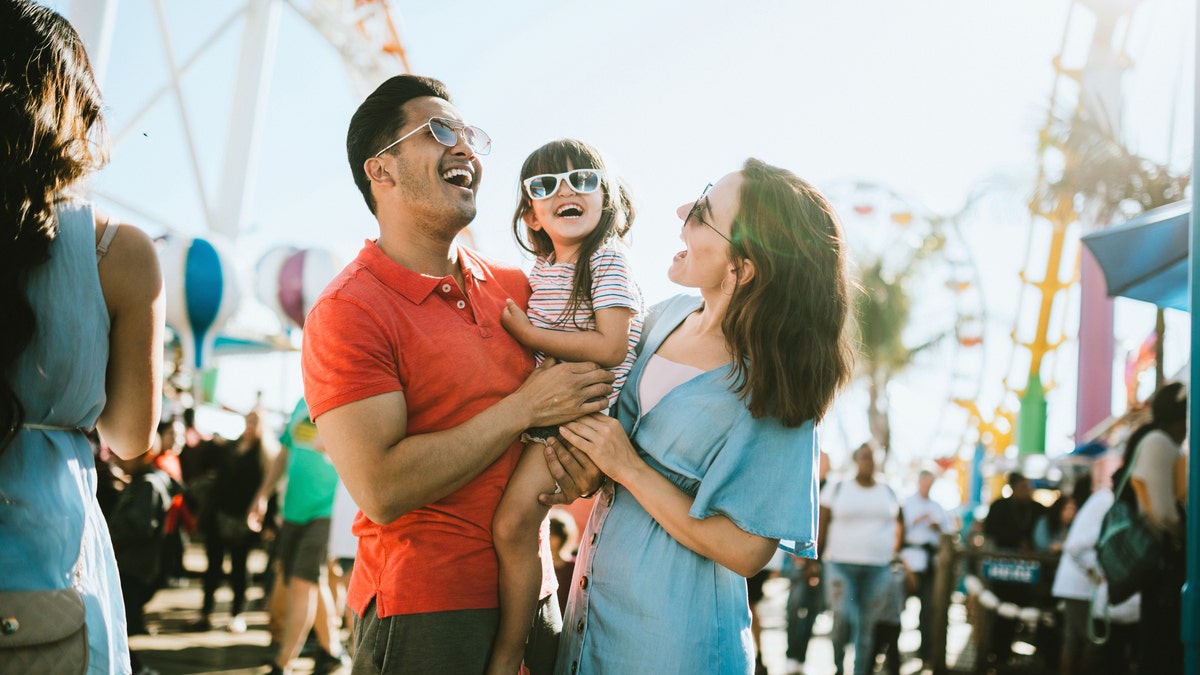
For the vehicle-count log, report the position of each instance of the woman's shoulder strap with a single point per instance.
(110, 231)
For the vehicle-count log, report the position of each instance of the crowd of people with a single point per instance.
(451, 402)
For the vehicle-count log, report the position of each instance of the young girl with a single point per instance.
(585, 306)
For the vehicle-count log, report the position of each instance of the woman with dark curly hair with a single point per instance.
(712, 452)
(81, 303)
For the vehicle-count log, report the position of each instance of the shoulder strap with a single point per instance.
(110, 231)
(1137, 450)
(160, 482)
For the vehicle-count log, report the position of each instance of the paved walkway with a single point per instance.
(173, 651)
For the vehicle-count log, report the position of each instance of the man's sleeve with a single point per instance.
(347, 356)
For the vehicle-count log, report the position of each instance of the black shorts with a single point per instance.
(448, 642)
(754, 585)
(303, 550)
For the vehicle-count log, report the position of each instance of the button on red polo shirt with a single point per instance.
(380, 327)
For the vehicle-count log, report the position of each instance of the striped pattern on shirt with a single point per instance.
(612, 286)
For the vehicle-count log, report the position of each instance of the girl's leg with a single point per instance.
(515, 533)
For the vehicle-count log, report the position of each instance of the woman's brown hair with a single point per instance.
(51, 136)
(787, 323)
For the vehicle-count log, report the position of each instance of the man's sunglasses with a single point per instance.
(447, 133)
(545, 185)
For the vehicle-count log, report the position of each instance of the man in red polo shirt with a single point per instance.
(421, 395)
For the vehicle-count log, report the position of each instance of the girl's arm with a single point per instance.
(605, 346)
(717, 537)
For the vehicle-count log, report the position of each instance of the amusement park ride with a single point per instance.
(202, 287)
(203, 291)
(949, 315)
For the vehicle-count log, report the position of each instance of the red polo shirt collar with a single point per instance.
(413, 285)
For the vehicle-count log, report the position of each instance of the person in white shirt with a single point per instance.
(1077, 580)
(924, 522)
(867, 530)
(1153, 456)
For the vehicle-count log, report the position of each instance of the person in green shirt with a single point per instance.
(302, 549)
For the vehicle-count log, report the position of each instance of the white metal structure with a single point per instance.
(361, 31)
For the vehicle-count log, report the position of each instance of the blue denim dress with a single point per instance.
(52, 534)
(640, 601)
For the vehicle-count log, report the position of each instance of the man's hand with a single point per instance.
(560, 392)
(574, 472)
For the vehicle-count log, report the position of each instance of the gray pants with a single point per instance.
(453, 643)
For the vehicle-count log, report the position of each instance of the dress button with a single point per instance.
(460, 304)
(445, 288)
(583, 582)
(579, 626)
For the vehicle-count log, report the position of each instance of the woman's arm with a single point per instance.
(1153, 480)
(132, 284)
(717, 537)
(606, 346)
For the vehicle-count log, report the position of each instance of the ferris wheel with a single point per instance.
(195, 62)
(362, 32)
(900, 238)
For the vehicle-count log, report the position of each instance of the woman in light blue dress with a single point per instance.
(713, 452)
(81, 307)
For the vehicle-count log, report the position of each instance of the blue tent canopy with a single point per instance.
(1146, 258)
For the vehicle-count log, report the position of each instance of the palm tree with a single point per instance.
(1106, 181)
(884, 307)
(1101, 173)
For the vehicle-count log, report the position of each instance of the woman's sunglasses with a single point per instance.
(447, 133)
(545, 185)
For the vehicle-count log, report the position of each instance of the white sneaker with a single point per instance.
(793, 667)
(237, 624)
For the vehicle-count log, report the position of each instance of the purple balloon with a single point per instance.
(291, 287)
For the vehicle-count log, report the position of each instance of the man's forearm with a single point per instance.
(421, 469)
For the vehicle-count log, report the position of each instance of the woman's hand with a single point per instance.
(603, 440)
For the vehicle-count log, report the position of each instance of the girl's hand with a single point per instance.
(603, 440)
(514, 320)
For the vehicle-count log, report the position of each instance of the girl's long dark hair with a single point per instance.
(51, 135)
(615, 219)
(787, 325)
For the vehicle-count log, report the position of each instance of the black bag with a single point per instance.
(1129, 546)
(232, 529)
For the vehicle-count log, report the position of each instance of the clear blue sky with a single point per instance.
(935, 99)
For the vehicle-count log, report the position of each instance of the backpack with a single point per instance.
(1128, 548)
(137, 524)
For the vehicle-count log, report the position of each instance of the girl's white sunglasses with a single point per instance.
(545, 185)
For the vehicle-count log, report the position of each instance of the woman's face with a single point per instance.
(864, 460)
(707, 224)
(1069, 511)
